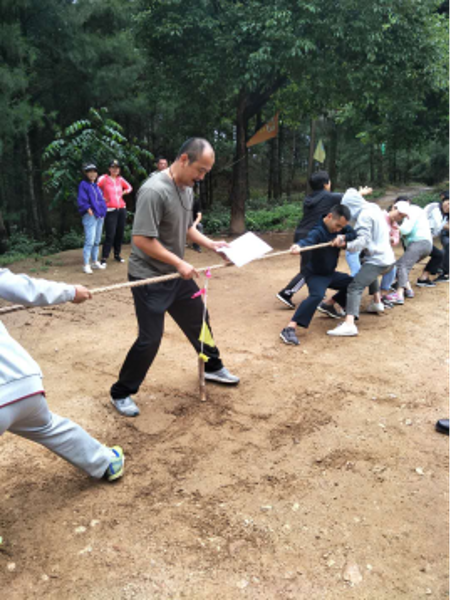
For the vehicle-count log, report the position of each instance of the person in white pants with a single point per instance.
(23, 407)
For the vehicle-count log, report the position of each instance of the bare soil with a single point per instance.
(323, 458)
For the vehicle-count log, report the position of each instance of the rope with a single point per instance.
(163, 278)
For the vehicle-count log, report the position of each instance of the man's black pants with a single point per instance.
(151, 304)
(114, 232)
(317, 286)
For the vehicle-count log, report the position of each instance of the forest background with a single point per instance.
(132, 79)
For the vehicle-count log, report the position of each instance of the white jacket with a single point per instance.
(435, 217)
(373, 236)
(20, 375)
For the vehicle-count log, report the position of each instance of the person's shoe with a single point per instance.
(425, 283)
(87, 269)
(387, 303)
(285, 299)
(375, 308)
(119, 259)
(116, 467)
(394, 298)
(442, 278)
(330, 310)
(222, 376)
(197, 248)
(442, 426)
(344, 330)
(125, 406)
(288, 335)
(409, 293)
(103, 262)
(98, 265)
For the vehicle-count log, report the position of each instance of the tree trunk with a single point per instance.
(279, 162)
(371, 164)
(272, 160)
(292, 166)
(238, 196)
(380, 166)
(32, 199)
(3, 236)
(333, 154)
(311, 152)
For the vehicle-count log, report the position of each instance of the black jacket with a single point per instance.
(315, 206)
(324, 261)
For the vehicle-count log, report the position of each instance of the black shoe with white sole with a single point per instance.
(285, 299)
(425, 283)
(288, 335)
(442, 278)
(329, 310)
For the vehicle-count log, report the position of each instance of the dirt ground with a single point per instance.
(324, 460)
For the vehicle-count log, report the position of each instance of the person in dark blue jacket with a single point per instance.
(92, 207)
(320, 271)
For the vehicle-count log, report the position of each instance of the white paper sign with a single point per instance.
(245, 249)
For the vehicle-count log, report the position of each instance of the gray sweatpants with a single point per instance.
(31, 418)
(413, 254)
(367, 276)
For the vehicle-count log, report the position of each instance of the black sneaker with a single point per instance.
(329, 310)
(442, 426)
(103, 261)
(119, 259)
(425, 283)
(387, 302)
(288, 335)
(442, 278)
(285, 299)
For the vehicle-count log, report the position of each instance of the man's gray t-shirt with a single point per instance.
(164, 214)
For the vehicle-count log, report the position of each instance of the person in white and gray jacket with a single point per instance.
(373, 242)
(23, 407)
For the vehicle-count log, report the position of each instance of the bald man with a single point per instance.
(163, 223)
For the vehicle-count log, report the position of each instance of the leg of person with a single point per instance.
(353, 260)
(386, 283)
(200, 228)
(295, 284)
(414, 253)
(340, 282)
(444, 277)
(151, 303)
(31, 419)
(95, 247)
(110, 231)
(119, 236)
(317, 286)
(89, 225)
(365, 277)
(188, 313)
(433, 265)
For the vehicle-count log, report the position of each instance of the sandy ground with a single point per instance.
(323, 460)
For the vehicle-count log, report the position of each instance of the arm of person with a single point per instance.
(83, 200)
(126, 187)
(196, 237)
(312, 239)
(198, 219)
(406, 226)
(155, 249)
(39, 292)
(363, 230)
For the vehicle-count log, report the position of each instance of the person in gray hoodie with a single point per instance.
(373, 241)
(23, 407)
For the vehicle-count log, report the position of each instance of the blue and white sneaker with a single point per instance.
(116, 467)
(125, 406)
(222, 376)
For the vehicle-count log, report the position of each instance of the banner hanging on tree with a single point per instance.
(268, 131)
(320, 152)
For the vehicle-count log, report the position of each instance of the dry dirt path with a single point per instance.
(324, 456)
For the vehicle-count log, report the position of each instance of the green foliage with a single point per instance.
(97, 139)
(278, 218)
(425, 198)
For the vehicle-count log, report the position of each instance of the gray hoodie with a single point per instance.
(373, 236)
(20, 375)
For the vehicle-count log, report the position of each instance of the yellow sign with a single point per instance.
(205, 336)
(268, 131)
(320, 153)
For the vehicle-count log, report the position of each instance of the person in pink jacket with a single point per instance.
(114, 188)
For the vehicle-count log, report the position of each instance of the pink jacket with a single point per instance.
(393, 228)
(113, 190)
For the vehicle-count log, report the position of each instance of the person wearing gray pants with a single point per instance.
(366, 277)
(23, 407)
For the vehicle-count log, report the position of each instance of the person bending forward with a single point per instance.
(320, 272)
(163, 222)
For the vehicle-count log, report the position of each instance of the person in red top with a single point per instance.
(114, 188)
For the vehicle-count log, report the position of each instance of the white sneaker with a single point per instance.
(87, 269)
(98, 265)
(375, 308)
(344, 330)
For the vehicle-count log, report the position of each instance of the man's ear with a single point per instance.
(184, 159)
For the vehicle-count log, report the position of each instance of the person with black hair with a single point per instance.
(163, 223)
(162, 164)
(320, 273)
(444, 238)
(317, 204)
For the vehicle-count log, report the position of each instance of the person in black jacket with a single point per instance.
(320, 273)
(317, 204)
